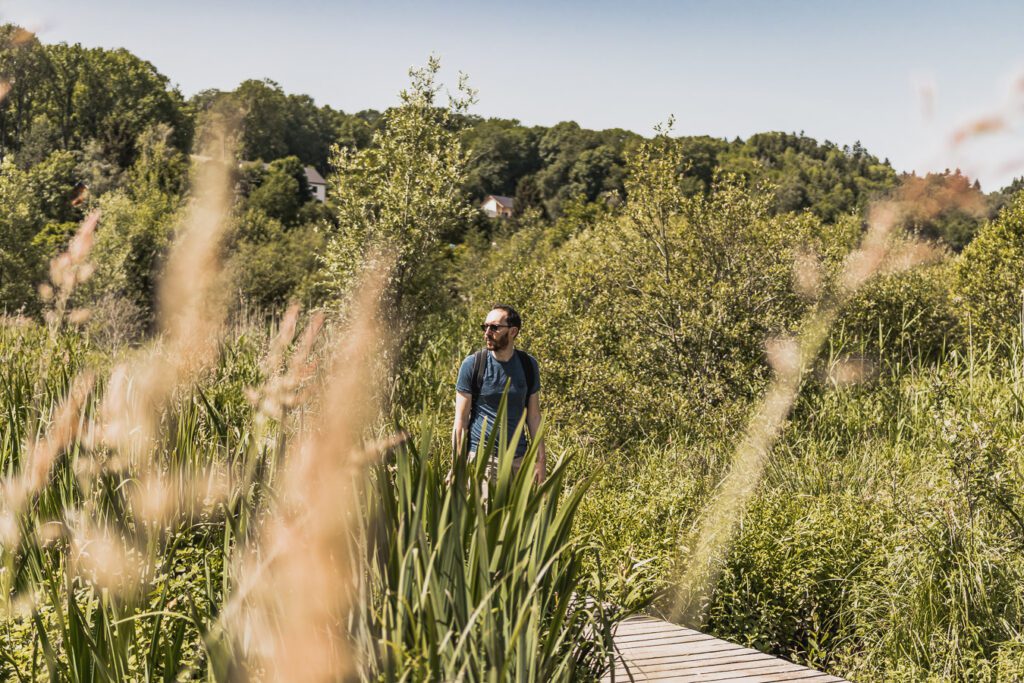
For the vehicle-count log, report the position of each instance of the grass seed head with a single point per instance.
(302, 583)
(10, 534)
(807, 275)
(849, 371)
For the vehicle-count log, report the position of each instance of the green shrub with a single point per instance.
(667, 307)
(990, 278)
(132, 238)
(900, 319)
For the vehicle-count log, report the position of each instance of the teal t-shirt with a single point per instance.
(486, 407)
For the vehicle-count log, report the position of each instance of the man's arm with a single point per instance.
(460, 429)
(533, 424)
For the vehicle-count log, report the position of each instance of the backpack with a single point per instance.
(480, 362)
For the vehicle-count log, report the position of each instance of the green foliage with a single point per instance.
(884, 543)
(481, 586)
(901, 318)
(673, 298)
(402, 197)
(21, 262)
(826, 179)
(275, 125)
(281, 190)
(77, 625)
(160, 167)
(999, 199)
(456, 584)
(789, 574)
(72, 98)
(643, 500)
(131, 240)
(23, 65)
(581, 162)
(54, 180)
(501, 152)
(944, 206)
(272, 263)
(701, 155)
(117, 97)
(990, 277)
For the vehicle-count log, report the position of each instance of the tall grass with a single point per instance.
(483, 587)
(214, 507)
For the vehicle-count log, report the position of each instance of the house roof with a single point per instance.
(507, 202)
(313, 177)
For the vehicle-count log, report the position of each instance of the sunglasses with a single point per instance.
(491, 327)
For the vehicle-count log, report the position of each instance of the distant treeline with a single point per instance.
(78, 124)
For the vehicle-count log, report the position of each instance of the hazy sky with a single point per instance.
(838, 71)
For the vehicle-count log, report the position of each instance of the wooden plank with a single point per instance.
(807, 676)
(719, 667)
(623, 674)
(633, 635)
(648, 649)
(650, 631)
(661, 638)
(685, 649)
(716, 658)
(735, 672)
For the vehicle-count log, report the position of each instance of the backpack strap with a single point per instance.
(527, 363)
(479, 365)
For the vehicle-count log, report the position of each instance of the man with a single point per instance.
(500, 362)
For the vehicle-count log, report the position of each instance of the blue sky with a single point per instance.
(838, 71)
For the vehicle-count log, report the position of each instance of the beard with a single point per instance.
(497, 343)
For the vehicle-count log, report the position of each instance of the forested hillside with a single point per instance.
(227, 404)
(94, 127)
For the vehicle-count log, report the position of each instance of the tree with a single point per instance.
(21, 262)
(274, 124)
(580, 162)
(828, 180)
(310, 131)
(66, 62)
(131, 240)
(117, 97)
(943, 206)
(673, 296)
(271, 263)
(54, 182)
(282, 190)
(264, 110)
(989, 286)
(501, 153)
(701, 158)
(24, 71)
(401, 196)
(160, 167)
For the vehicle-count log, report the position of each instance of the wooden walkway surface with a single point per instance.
(648, 649)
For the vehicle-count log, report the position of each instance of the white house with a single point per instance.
(317, 184)
(496, 206)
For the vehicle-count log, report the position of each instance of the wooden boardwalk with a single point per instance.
(648, 649)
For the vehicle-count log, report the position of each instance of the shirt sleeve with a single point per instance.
(465, 381)
(536, 377)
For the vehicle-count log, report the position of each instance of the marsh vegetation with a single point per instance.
(782, 390)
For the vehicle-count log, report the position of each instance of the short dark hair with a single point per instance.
(512, 318)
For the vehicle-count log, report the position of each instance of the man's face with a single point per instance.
(497, 335)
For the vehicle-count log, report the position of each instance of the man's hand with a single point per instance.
(540, 472)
